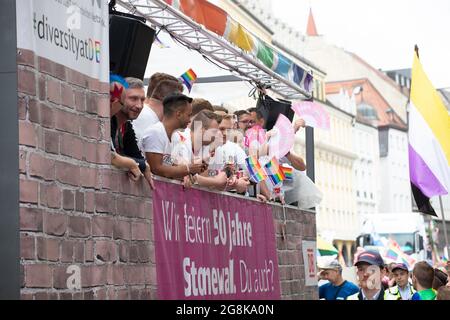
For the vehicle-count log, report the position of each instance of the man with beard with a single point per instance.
(157, 143)
(122, 134)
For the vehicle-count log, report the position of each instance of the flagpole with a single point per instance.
(445, 228)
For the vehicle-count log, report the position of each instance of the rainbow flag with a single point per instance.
(189, 78)
(391, 254)
(255, 170)
(274, 171)
(288, 172)
(395, 253)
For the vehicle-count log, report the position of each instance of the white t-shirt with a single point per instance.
(182, 148)
(155, 140)
(230, 152)
(144, 121)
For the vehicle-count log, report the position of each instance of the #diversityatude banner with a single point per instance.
(73, 33)
(211, 246)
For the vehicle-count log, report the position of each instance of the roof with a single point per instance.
(255, 18)
(380, 73)
(370, 95)
(311, 29)
(297, 56)
(403, 72)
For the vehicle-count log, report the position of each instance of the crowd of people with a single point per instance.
(166, 133)
(377, 281)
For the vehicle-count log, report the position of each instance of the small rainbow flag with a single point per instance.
(288, 172)
(274, 171)
(255, 170)
(189, 78)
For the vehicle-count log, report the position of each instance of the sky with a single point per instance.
(382, 32)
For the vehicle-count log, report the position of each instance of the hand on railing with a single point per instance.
(148, 176)
(134, 173)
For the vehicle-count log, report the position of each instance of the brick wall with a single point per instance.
(75, 209)
(298, 226)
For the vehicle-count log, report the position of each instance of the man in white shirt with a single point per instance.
(227, 151)
(157, 140)
(152, 111)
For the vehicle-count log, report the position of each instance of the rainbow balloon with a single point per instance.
(189, 78)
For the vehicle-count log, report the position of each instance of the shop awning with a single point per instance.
(202, 26)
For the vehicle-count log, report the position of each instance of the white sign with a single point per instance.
(74, 33)
(309, 261)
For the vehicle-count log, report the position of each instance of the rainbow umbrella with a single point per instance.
(325, 248)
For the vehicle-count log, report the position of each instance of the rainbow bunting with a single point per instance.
(274, 171)
(189, 78)
(257, 173)
(288, 172)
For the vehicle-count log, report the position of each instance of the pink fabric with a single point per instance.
(194, 256)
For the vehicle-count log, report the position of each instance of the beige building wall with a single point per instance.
(340, 64)
(337, 216)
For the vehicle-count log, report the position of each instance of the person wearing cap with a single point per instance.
(337, 288)
(370, 272)
(403, 290)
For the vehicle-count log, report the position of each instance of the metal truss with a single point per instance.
(216, 48)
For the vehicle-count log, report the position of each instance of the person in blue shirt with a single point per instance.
(337, 288)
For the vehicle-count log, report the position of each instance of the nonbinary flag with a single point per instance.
(429, 141)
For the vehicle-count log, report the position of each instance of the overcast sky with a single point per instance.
(382, 32)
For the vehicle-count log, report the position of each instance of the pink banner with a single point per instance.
(211, 246)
